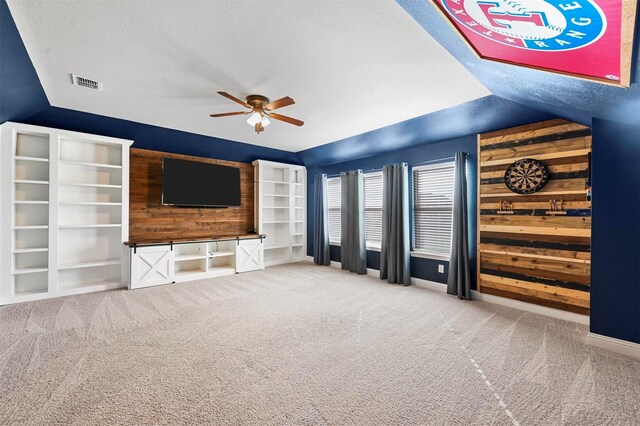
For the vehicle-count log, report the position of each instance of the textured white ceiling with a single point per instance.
(351, 66)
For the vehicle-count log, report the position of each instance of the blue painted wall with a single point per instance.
(158, 138)
(426, 269)
(429, 137)
(615, 264)
(21, 94)
(478, 116)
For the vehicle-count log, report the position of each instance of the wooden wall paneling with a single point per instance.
(531, 255)
(150, 221)
(479, 201)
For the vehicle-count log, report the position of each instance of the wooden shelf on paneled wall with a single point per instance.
(550, 193)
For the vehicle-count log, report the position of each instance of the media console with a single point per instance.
(156, 263)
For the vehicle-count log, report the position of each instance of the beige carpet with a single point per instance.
(302, 345)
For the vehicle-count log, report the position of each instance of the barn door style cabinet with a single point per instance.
(281, 210)
(165, 263)
(64, 212)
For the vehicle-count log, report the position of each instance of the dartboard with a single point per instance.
(526, 176)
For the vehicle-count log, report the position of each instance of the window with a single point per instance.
(373, 209)
(433, 208)
(333, 209)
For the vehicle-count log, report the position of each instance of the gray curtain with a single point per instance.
(353, 250)
(459, 282)
(321, 222)
(394, 252)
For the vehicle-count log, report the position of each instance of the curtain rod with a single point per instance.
(364, 171)
(421, 163)
(437, 160)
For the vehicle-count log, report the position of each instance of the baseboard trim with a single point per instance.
(429, 285)
(623, 347)
(418, 282)
(530, 307)
(612, 344)
(489, 298)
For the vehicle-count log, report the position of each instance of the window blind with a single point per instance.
(333, 208)
(373, 208)
(433, 208)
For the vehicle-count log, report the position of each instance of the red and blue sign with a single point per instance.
(578, 37)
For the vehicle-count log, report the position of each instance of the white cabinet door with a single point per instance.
(151, 266)
(249, 255)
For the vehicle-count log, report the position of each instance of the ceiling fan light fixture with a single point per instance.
(261, 110)
(254, 119)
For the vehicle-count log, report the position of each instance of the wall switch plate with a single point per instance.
(441, 269)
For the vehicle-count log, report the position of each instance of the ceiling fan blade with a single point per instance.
(286, 119)
(226, 114)
(280, 103)
(234, 99)
(259, 127)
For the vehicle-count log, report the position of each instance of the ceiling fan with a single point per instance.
(260, 110)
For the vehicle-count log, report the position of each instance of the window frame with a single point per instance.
(334, 242)
(422, 253)
(373, 245)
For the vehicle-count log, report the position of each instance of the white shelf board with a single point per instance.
(217, 254)
(190, 272)
(31, 292)
(298, 234)
(276, 181)
(189, 257)
(93, 264)
(32, 182)
(82, 287)
(72, 203)
(25, 158)
(90, 185)
(80, 163)
(199, 274)
(30, 202)
(107, 225)
(221, 270)
(30, 250)
(276, 247)
(23, 227)
(33, 270)
(297, 245)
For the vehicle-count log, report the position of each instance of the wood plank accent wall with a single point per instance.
(150, 221)
(530, 255)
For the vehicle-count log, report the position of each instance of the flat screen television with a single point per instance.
(195, 184)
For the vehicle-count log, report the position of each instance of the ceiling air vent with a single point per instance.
(86, 82)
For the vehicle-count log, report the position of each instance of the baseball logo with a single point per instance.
(548, 25)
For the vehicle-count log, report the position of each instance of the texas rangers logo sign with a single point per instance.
(578, 37)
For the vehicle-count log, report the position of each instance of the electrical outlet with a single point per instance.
(441, 269)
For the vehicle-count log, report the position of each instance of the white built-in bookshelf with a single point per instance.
(64, 212)
(281, 210)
